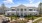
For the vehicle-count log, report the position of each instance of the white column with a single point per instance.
(23, 11)
(27, 11)
(6, 13)
(19, 12)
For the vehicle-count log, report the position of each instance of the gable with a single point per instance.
(21, 6)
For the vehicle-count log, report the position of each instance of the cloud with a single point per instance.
(36, 4)
(8, 1)
(31, 1)
(32, 5)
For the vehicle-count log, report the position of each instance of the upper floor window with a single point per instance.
(21, 9)
(34, 9)
(17, 9)
(13, 9)
(25, 9)
(30, 9)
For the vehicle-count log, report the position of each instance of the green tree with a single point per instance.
(40, 9)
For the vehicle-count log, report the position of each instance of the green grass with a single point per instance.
(32, 17)
(13, 17)
(28, 17)
(35, 17)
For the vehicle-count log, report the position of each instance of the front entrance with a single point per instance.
(21, 15)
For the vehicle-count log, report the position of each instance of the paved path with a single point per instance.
(21, 18)
(37, 19)
(30, 21)
(1, 18)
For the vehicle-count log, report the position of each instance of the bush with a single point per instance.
(28, 16)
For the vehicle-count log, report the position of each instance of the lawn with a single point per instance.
(18, 21)
(35, 17)
(13, 17)
(27, 18)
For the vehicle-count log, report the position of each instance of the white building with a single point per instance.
(22, 10)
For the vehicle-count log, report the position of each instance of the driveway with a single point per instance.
(1, 18)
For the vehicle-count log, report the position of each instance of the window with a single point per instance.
(21, 9)
(25, 14)
(17, 14)
(17, 9)
(12, 13)
(30, 9)
(21, 14)
(13, 9)
(8, 14)
(34, 9)
(25, 9)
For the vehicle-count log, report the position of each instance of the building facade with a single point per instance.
(22, 10)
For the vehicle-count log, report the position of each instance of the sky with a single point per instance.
(14, 3)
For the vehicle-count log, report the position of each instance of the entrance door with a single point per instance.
(21, 15)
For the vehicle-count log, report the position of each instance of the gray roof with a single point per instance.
(21, 5)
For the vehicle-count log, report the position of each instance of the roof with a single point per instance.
(21, 5)
(10, 11)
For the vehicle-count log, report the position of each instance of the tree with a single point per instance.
(3, 8)
(40, 8)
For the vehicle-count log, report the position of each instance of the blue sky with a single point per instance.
(10, 3)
